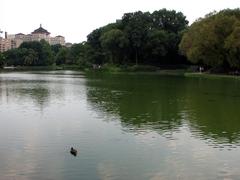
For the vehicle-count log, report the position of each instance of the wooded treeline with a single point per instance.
(159, 38)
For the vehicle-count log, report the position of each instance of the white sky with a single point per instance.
(75, 19)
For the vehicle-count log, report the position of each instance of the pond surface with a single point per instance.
(132, 127)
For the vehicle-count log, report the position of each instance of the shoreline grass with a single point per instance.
(211, 76)
(139, 69)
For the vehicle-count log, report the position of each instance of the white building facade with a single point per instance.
(5, 44)
(15, 40)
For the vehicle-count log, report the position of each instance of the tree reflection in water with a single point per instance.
(164, 104)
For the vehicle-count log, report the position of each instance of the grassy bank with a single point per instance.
(179, 69)
(210, 76)
(184, 71)
(110, 68)
(187, 71)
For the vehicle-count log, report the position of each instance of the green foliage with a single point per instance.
(96, 55)
(84, 59)
(214, 40)
(30, 57)
(2, 59)
(46, 56)
(232, 46)
(75, 53)
(62, 56)
(157, 44)
(115, 43)
(31, 54)
(136, 26)
(56, 48)
(139, 37)
(171, 21)
(13, 57)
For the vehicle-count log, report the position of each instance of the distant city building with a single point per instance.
(5, 44)
(57, 40)
(68, 44)
(39, 34)
(15, 40)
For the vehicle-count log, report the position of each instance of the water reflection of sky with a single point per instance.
(37, 89)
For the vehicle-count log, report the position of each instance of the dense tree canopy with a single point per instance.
(41, 54)
(214, 40)
(61, 56)
(2, 59)
(30, 54)
(139, 37)
(115, 43)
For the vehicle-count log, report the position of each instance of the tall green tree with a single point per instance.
(56, 48)
(93, 39)
(30, 58)
(115, 43)
(74, 53)
(213, 40)
(136, 26)
(46, 55)
(62, 56)
(156, 46)
(13, 57)
(2, 60)
(232, 46)
(152, 38)
(169, 20)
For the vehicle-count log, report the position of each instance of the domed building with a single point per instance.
(40, 33)
(41, 30)
(37, 35)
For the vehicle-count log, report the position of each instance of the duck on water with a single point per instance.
(73, 151)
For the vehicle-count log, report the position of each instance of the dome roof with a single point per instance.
(20, 34)
(40, 30)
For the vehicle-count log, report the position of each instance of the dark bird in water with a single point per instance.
(73, 151)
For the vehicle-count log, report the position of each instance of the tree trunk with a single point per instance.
(136, 57)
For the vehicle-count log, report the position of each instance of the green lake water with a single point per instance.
(125, 127)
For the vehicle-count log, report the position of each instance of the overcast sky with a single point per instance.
(75, 19)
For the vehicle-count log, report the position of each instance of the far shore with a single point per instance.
(183, 71)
